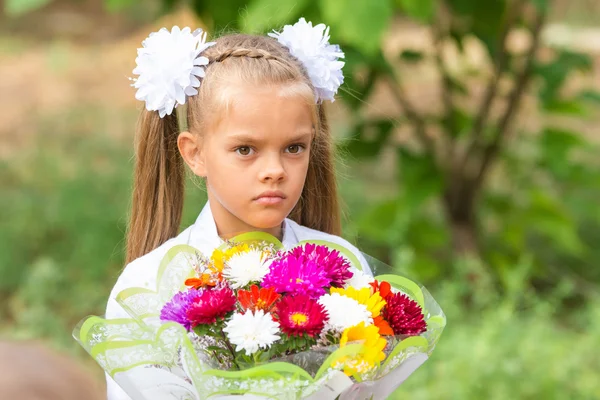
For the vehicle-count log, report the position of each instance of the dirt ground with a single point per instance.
(87, 65)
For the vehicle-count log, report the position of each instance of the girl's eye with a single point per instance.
(295, 149)
(244, 150)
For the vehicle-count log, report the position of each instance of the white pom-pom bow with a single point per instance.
(170, 64)
(170, 67)
(311, 46)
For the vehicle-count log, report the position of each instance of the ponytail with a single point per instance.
(158, 187)
(318, 207)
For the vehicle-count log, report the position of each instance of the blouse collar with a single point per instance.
(204, 236)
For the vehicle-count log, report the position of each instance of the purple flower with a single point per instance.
(296, 275)
(176, 309)
(337, 268)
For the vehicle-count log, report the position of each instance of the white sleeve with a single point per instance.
(114, 310)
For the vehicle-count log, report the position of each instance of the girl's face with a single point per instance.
(255, 159)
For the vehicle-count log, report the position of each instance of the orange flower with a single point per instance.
(384, 327)
(384, 288)
(204, 280)
(258, 299)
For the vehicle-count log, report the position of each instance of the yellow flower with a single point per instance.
(219, 257)
(373, 302)
(371, 353)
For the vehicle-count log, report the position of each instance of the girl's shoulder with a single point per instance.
(305, 233)
(141, 272)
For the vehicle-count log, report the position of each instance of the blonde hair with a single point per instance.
(30, 371)
(158, 188)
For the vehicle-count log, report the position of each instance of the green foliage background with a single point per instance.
(498, 217)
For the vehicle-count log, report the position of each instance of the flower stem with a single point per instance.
(228, 345)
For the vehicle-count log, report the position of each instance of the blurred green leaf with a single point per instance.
(568, 107)
(17, 8)
(265, 15)
(363, 27)
(482, 19)
(377, 223)
(118, 5)
(411, 56)
(590, 95)
(422, 10)
(556, 143)
(368, 138)
(419, 177)
(555, 73)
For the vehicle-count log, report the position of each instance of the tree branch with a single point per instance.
(492, 149)
(500, 63)
(411, 113)
(438, 28)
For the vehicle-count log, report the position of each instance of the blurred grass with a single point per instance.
(64, 209)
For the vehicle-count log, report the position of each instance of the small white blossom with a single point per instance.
(246, 267)
(344, 312)
(310, 45)
(252, 331)
(359, 279)
(169, 66)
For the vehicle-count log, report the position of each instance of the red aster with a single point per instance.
(300, 315)
(258, 299)
(404, 315)
(211, 305)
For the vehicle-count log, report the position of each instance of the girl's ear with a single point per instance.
(192, 151)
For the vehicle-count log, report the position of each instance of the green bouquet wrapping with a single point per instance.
(254, 321)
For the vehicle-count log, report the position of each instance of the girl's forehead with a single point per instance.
(265, 110)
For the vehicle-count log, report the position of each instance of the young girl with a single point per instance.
(256, 133)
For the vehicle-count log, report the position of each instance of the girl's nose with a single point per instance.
(272, 169)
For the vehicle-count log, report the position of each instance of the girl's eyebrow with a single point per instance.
(248, 138)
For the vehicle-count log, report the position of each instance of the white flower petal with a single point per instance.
(311, 46)
(359, 279)
(246, 267)
(344, 312)
(168, 66)
(252, 331)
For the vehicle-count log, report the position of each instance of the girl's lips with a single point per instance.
(270, 197)
(269, 200)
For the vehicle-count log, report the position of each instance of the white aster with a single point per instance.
(311, 46)
(359, 279)
(252, 331)
(343, 312)
(169, 66)
(245, 267)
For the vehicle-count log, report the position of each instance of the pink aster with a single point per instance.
(296, 275)
(211, 305)
(337, 268)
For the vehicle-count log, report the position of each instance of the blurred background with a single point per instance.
(469, 139)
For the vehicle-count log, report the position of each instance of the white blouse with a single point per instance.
(203, 236)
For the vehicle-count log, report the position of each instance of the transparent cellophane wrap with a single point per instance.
(154, 360)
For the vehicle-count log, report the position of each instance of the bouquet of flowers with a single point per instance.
(252, 320)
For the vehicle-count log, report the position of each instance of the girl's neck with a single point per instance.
(229, 226)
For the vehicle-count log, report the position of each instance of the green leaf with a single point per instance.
(555, 73)
(590, 95)
(422, 10)
(379, 220)
(419, 176)
(411, 56)
(368, 138)
(264, 15)
(114, 6)
(17, 8)
(568, 107)
(556, 144)
(363, 27)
